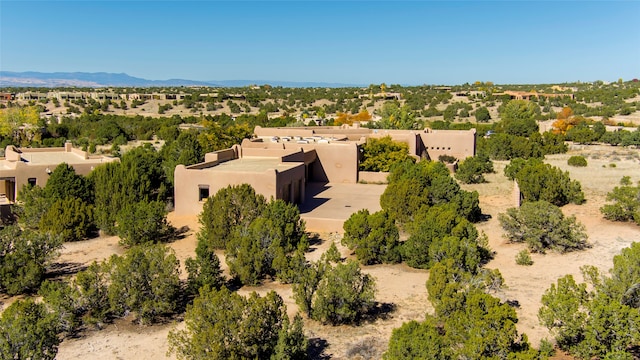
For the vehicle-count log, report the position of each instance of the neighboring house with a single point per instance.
(21, 166)
(280, 162)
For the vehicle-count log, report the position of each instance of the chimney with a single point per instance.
(68, 146)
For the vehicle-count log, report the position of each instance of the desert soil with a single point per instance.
(399, 287)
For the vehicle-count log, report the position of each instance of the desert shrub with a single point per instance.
(271, 245)
(543, 226)
(28, 331)
(471, 170)
(230, 207)
(373, 237)
(447, 159)
(145, 280)
(224, 325)
(343, 295)
(577, 160)
(440, 233)
(24, 255)
(626, 202)
(339, 294)
(69, 217)
(143, 222)
(523, 258)
(424, 184)
(600, 322)
(540, 181)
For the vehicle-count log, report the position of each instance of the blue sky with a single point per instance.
(358, 42)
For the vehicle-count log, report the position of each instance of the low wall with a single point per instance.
(373, 177)
(220, 155)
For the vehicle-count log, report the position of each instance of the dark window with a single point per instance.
(203, 192)
(32, 181)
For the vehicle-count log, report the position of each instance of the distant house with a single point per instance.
(7, 96)
(21, 166)
(526, 95)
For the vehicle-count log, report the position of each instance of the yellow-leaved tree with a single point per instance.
(21, 124)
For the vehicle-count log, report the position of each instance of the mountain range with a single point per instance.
(104, 79)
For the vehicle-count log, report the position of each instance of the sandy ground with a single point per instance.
(400, 288)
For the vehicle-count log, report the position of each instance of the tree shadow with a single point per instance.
(58, 270)
(379, 311)
(314, 239)
(173, 234)
(316, 349)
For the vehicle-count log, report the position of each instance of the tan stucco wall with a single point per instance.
(14, 169)
(337, 162)
(460, 144)
(270, 183)
(373, 177)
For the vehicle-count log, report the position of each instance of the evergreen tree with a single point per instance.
(28, 331)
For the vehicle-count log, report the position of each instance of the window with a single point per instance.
(203, 192)
(32, 181)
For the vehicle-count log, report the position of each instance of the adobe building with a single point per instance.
(21, 166)
(280, 162)
(527, 95)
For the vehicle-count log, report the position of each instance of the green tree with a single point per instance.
(64, 183)
(596, 323)
(142, 222)
(395, 116)
(471, 169)
(343, 295)
(418, 340)
(381, 154)
(626, 202)
(28, 331)
(230, 207)
(439, 232)
(304, 289)
(204, 270)
(145, 280)
(292, 343)
(92, 285)
(31, 207)
(482, 114)
(137, 177)
(265, 247)
(539, 181)
(224, 325)
(70, 218)
(469, 323)
(24, 255)
(373, 237)
(63, 300)
(543, 226)
(427, 183)
(518, 118)
(185, 150)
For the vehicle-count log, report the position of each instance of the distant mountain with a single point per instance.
(293, 84)
(103, 79)
(83, 79)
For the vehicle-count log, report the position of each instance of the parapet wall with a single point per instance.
(221, 155)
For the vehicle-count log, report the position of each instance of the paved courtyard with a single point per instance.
(328, 205)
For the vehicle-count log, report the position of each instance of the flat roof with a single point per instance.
(57, 157)
(251, 164)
